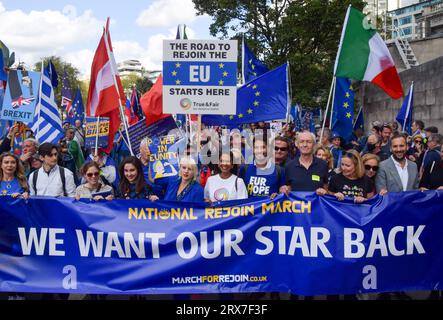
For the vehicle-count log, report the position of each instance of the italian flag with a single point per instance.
(363, 55)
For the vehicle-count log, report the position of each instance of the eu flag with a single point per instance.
(343, 112)
(78, 110)
(262, 99)
(404, 116)
(252, 67)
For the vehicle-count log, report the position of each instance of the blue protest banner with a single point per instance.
(21, 96)
(91, 132)
(303, 244)
(163, 127)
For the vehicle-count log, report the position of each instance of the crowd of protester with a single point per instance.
(384, 161)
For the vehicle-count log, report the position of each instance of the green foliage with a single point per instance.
(72, 74)
(304, 32)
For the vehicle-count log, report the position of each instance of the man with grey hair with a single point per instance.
(306, 172)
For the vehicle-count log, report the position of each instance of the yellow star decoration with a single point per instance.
(240, 115)
(350, 87)
(257, 94)
(254, 73)
(174, 73)
(178, 65)
(256, 103)
(221, 65)
(231, 117)
(225, 74)
(345, 105)
(348, 115)
(252, 67)
(248, 85)
(249, 111)
(221, 82)
(177, 81)
(347, 95)
(250, 61)
(254, 86)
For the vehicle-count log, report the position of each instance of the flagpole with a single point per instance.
(358, 115)
(289, 91)
(96, 136)
(332, 104)
(112, 62)
(409, 106)
(243, 59)
(327, 108)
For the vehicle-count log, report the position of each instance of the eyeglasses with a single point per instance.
(92, 174)
(418, 141)
(281, 149)
(373, 168)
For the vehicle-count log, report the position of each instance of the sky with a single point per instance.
(72, 29)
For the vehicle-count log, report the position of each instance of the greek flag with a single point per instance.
(47, 125)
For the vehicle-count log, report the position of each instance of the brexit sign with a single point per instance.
(199, 77)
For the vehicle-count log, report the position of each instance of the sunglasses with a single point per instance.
(417, 141)
(373, 168)
(92, 174)
(280, 149)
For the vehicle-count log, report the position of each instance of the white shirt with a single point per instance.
(51, 184)
(218, 189)
(402, 172)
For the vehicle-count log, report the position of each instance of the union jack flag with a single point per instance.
(22, 101)
(66, 95)
(67, 103)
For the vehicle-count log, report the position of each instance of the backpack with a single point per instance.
(62, 177)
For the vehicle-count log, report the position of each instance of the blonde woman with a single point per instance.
(351, 181)
(12, 177)
(185, 187)
(371, 163)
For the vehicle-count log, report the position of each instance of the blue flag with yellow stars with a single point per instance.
(78, 110)
(343, 112)
(252, 67)
(262, 99)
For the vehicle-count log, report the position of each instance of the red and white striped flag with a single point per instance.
(103, 98)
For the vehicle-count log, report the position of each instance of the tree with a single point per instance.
(143, 85)
(304, 32)
(72, 74)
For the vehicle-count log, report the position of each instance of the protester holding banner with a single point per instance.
(263, 177)
(185, 187)
(351, 181)
(225, 185)
(132, 183)
(306, 172)
(371, 163)
(397, 173)
(94, 188)
(12, 176)
(51, 179)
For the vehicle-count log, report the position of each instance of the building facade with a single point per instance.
(418, 20)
